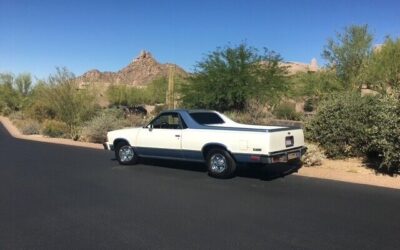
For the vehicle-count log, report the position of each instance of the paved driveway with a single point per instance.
(60, 197)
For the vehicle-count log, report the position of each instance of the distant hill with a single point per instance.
(144, 69)
(298, 67)
(140, 72)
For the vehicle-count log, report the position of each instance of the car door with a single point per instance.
(162, 137)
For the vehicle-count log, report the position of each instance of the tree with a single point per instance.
(315, 85)
(348, 53)
(10, 99)
(7, 79)
(70, 104)
(23, 83)
(383, 69)
(231, 76)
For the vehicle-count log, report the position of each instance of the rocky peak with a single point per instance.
(143, 56)
(142, 70)
(92, 73)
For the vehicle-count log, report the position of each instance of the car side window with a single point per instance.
(167, 121)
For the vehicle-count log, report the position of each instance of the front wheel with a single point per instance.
(125, 154)
(220, 164)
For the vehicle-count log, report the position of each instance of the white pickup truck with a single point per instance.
(206, 136)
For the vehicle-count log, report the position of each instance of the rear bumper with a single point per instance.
(283, 156)
(108, 146)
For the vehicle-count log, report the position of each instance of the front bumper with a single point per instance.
(108, 146)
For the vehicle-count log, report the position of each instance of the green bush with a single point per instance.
(309, 105)
(349, 124)
(286, 111)
(97, 128)
(54, 128)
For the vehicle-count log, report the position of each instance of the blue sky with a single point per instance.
(38, 35)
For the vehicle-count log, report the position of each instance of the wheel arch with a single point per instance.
(119, 140)
(213, 145)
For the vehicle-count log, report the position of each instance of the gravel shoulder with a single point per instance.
(349, 170)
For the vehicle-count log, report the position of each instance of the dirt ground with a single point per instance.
(349, 170)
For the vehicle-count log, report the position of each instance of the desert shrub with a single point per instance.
(5, 110)
(349, 125)
(54, 128)
(254, 113)
(25, 125)
(384, 136)
(153, 93)
(96, 129)
(249, 118)
(314, 156)
(17, 115)
(138, 120)
(286, 111)
(30, 127)
(240, 117)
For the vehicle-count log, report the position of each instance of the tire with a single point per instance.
(220, 164)
(125, 154)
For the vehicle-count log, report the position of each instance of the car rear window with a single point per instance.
(207, 118)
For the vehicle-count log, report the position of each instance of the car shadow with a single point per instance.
(268, 172)
(261, 172)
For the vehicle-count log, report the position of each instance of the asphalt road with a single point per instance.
(60, 197)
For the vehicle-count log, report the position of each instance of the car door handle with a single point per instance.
(177, 136)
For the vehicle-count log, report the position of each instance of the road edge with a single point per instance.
(14, 132)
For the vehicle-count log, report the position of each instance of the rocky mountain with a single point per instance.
(141, 71)
(297, 67)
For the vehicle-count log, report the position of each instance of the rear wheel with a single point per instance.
(220, 164)
(125, 154)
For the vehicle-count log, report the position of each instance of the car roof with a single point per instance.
(189, 110)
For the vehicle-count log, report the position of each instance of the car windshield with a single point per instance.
(207, 118)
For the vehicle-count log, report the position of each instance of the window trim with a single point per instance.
(182, 124)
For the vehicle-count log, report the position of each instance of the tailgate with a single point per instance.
(285, 139)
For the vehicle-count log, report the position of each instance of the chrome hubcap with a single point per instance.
(126, 153)
(218, 163)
